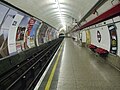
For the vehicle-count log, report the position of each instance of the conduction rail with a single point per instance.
(25, 75)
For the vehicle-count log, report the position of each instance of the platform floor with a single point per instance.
(79, 69)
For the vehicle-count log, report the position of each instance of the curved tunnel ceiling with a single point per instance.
(52, 11)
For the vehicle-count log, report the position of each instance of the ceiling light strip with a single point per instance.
(60, 13)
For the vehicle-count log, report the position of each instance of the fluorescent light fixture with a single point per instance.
(60, 13)
(64, 27)
(63, 23)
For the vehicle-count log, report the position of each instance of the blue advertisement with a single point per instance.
(33, 33)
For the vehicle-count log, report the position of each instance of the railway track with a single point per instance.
(25, 75)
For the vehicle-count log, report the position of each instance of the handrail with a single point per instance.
(114, 11)
(95, 7)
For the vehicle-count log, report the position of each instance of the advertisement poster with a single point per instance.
(12, 34)
(48, 34)
(6, 17)
(42, 33)
(27, 33)
(88, 38)
(54, 33)
(33, 33)
(37, 34)
(113, 35)
(21, 33)
(4, 11)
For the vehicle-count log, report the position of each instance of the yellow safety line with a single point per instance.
(47, 87)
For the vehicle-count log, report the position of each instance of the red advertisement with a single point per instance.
(27, 33)
(30, 25)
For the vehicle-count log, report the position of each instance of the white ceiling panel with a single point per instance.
(47, 10)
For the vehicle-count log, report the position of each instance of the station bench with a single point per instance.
(92, 47)
(100, 51)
